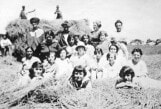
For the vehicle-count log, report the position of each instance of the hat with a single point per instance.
(65, 24)
(80, 45)
(34, 20)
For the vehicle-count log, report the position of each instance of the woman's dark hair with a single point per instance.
(137, 50)
(117, 48)
(69, 38)
(29, 48)
(34, 20)
(108, 56)
(98, 51)
(89, 40)
(126, 70)
(118, 21)
(50, 32)
(79, 69)
(35, 65)
(62, 50)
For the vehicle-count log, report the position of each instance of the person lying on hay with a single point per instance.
(35, 81)
(78, 79)
(126, 78)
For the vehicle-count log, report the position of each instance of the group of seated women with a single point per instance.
(81, 66)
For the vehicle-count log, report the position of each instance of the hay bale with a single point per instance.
(18, 31)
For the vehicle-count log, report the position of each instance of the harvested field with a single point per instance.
(102, 96)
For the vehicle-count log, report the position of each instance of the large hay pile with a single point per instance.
(18, 26)
(18, 31)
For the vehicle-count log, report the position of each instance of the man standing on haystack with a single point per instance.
(59, 13)
(23, 14)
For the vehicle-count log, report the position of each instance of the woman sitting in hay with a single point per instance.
(111, 67)
(141, 71)
(64, 65)
(71, 45)
(50, 66)
(27, 63)
(81, 58)
(87, 42)
(95, 33)
(78, 79)
(35, 80)
(97, 71)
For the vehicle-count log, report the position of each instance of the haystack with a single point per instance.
(18, 31)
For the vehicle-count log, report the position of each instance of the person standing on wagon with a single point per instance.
(23, 15)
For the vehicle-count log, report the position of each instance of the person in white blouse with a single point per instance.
(64, 65)
(141, 71)
(89, 47)
(111, 67)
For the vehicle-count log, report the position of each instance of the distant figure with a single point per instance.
(23, 14)
(58, 12)
(5, 45)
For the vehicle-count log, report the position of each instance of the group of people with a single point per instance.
(82, 59)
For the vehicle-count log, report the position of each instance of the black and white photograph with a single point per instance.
(80, 54)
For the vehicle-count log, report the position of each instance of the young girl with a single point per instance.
(97, 71)
(78, 79)
(51, 68)
(126, 78)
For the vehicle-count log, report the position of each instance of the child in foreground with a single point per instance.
(126, 78)
(78, 79)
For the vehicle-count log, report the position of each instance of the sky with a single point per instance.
(141, 18)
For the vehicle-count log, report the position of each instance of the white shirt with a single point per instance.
(83, 60)
(5, 42)
(139, 69)
(111, 71)
(37, 33)
(120, 36)
(89, 50)
(64, 66)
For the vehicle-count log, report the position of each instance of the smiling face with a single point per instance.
(63, 54)
(78, 76)
(113, 49)
(51, 57)
(136, 57)
(128, 77)
(38, 71)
